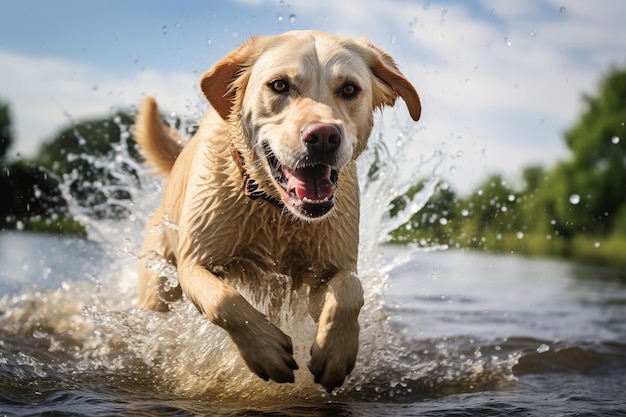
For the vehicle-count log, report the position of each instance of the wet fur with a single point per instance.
(217, 237)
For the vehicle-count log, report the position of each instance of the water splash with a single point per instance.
(92, 326)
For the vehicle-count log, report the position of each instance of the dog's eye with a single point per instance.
(349, 91)
(279, 86)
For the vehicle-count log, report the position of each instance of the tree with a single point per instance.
(6, 135)
(434, 223)
(590, 189)
(96, 161)
(29, 192)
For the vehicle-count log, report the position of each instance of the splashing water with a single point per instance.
(91, 329)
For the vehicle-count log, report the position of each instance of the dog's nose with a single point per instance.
(321, 137)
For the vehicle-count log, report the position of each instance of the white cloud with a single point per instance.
(47, 93)
(499, 85)
(504, 82)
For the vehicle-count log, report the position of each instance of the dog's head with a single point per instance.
(304, 101)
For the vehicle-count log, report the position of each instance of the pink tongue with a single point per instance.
(312, 183)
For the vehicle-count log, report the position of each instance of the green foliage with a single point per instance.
(430, 225)
(85, 155)
(585, 194)
(6, 135)
(578, 208)
(82, 162)
(29, 193)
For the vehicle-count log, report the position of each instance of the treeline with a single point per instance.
(576, 208)
(77, 171)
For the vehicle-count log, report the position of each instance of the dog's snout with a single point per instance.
(321, 137)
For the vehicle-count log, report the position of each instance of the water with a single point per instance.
(443, 332)
(460, 333)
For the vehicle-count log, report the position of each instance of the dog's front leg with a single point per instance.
(267, 351)
(335, 306)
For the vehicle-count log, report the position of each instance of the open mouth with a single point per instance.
(308, 189)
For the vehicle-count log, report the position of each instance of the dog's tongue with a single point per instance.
(313, 182)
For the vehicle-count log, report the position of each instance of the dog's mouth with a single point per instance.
(309, 189)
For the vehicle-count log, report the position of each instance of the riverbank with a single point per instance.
(587, 248)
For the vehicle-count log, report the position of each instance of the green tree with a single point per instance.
(434, 223)
(490, 212)
(29, 192)
(590, 189)
(97, 161)
(6, 135)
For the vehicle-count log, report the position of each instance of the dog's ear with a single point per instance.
(219, 84)
(390, 83)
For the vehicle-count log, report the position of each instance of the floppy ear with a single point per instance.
(390, 83)
(219, 83)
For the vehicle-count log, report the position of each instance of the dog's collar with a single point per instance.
(250, 186)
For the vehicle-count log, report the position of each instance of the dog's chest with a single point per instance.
(265, 243)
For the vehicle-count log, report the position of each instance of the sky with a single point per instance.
(500, 81)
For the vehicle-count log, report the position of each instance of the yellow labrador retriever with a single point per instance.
(268, 185)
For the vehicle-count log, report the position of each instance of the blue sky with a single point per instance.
(500, 80)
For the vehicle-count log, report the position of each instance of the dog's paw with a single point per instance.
(267, 351)
(333, 355)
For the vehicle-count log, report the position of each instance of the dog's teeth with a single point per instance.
(307, 200)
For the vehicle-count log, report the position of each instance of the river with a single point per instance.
(444, 333)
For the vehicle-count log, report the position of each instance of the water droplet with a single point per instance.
(443, 221)
(292, 18)
(40, 334)
(511, 197)
(507, 41)
(615, 140)
(464, 212)
(543, 348)
(164, 30)
(596, 245)
(533, 33)
(562, 9)
(519, 235)
(280, 17)
(574, 199)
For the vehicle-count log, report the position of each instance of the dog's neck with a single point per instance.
(252, 189)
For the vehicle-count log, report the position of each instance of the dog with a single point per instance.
(268, 185)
